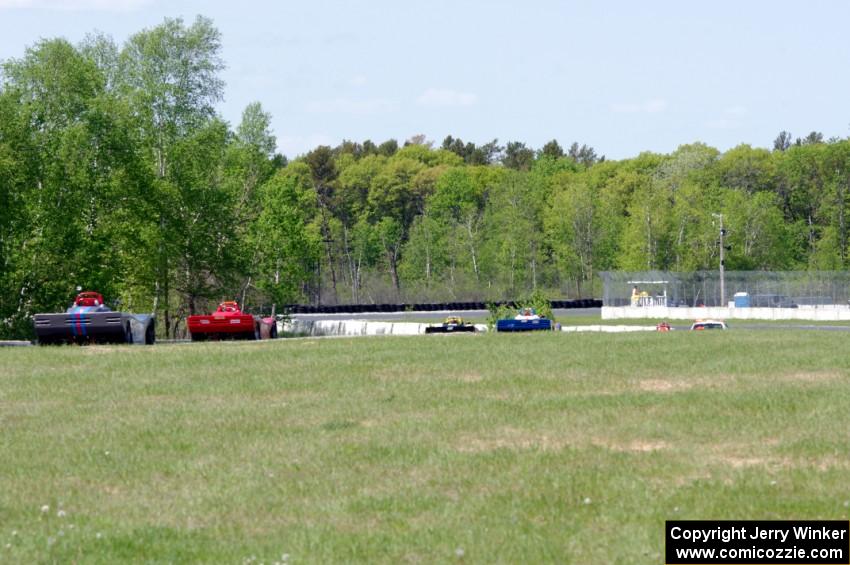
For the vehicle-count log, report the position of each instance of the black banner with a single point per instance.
(744, 542)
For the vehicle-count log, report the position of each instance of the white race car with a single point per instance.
(709, 325)
(527, 314)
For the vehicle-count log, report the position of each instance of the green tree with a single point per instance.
(78, 186)
(835, 197)
(804, 180)
(552, 149)
(426, 255)
(782, 141)
(518, 156)
(204, 238)
(352, 209)
(324, 173)
(170, 76)
(286, 250)
(585, 154)
(390, 233)
(459, 202)
(388, 148)
(170, 73)
(756, 233)
(573, 230)
(513, 228)
(392, 208)
(747, 169)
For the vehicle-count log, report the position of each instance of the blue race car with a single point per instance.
(527, 320)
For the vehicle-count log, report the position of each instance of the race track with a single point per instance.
(441, 315)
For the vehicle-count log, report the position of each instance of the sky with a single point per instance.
(621, 76)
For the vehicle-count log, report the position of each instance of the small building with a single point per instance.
(807, 295)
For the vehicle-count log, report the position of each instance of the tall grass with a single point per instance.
(475, 449)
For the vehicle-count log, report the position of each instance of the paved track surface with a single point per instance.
(562, 315)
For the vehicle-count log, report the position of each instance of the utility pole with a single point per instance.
(722, 261)
(722, 265)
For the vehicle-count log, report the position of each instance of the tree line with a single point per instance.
(117, 174)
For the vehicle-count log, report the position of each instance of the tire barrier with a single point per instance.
(427, 307)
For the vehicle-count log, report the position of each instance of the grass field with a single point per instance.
(473, 449)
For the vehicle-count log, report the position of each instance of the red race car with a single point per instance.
(229, 322)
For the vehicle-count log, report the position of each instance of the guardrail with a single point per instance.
(428, 307)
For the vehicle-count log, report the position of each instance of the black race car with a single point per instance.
(453, 324)
(89, 320)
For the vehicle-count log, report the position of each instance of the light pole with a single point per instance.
(722, 262)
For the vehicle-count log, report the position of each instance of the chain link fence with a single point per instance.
(788, 289)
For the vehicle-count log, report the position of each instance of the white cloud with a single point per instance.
(357, 80)
(442, 97)
(622, 108)
(352, 106)
(77, 5)
(653, 106)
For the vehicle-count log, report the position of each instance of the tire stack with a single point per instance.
(427, 307)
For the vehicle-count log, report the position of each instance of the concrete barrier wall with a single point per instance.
(356, 327)
(608, 329)
(832, 313)
(318, 328)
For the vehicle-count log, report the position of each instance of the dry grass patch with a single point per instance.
(513, 439)
(518, 440)
(683, 384)
(825, 463)
(398, 374)
(103, 349)
(408, 374)
(634, 446)
(660, 385)
(743, 455)
(472, 377)
(812, 377)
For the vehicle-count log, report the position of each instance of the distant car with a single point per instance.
(453, 324)
(663, 327)
(528, 314)
(709, 325)
(526, 320)
(89, 320)
(229, 322)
